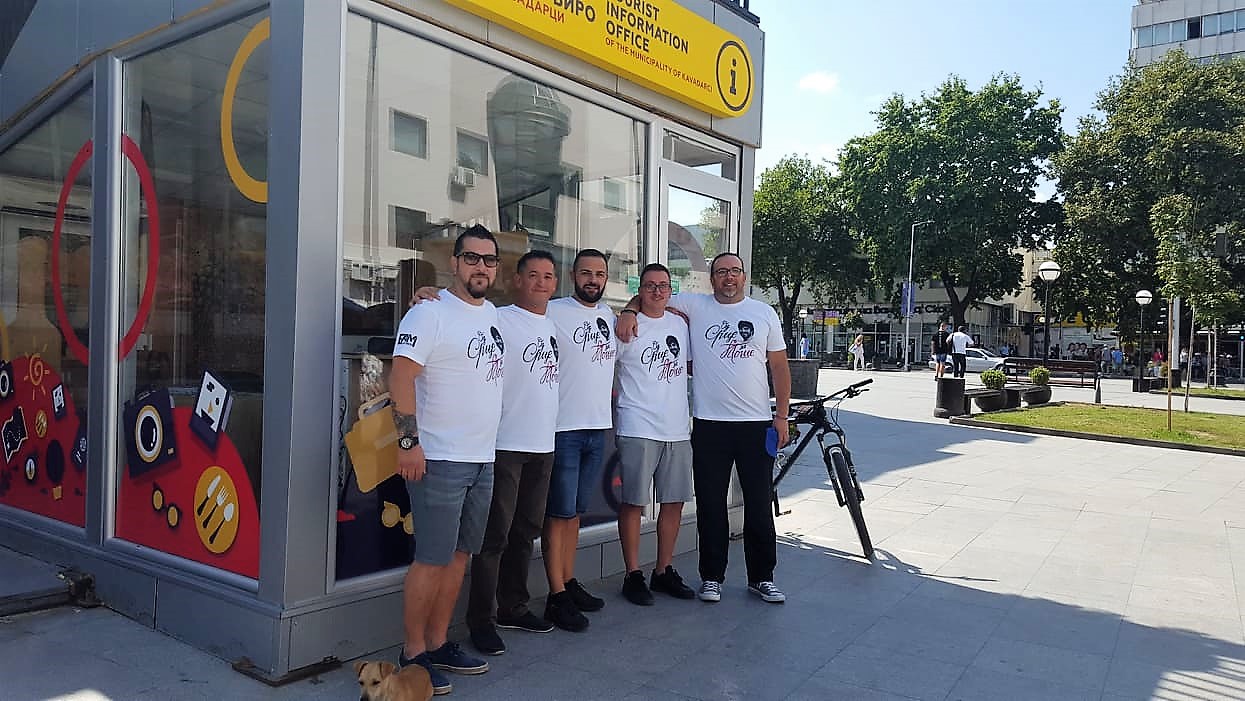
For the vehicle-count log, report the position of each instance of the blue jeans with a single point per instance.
(578, 457)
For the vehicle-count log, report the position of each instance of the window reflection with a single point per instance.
(539, 168)
(45, 275)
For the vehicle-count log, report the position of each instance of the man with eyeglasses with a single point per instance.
(529, 409)
(654, 445)
(733, 339)
(588, 352)
(446, 389)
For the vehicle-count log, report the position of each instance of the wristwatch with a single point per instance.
(408, 442)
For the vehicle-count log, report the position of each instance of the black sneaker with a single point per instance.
(451, 657)
(487, 641)
(636, 590)
(671, 583)
(440, 685)
(583, 600)
(561, 612)
(529, 622)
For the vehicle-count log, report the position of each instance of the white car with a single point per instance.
(977, 360)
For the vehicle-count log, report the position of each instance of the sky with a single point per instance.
(830, 63)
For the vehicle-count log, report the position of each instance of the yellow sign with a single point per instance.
(655, 43)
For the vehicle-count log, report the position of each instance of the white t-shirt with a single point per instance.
(960, 342)
(458, 395)
(729, 346)
(529, 397)
(652, 380)
(587, 352)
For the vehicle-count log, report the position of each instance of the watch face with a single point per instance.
(406, 442)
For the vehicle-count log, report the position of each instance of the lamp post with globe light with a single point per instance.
(1143, 298)
(1049, 272)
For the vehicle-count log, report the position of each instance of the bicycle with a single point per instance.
(837, 458)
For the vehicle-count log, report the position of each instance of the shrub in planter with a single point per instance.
(1039, 376)
(993, 379)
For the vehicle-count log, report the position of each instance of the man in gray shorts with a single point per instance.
(446, 388)
(653, 435)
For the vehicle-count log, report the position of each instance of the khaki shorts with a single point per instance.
(643, 462)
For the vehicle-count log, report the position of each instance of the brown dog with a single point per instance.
(382, 681)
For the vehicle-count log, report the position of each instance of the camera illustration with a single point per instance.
(149, 437)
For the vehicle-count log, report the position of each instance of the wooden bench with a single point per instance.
(1017, 369)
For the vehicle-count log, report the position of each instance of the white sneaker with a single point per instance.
(767, 591)
(710, 591)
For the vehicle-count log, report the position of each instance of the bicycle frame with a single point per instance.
(820, 423)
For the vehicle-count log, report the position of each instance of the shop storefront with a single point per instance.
(210, 227)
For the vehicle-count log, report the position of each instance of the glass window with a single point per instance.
(699, 156)
(1240, 20)
(473, 153)
(1210, 26)
(1179, 30)
(1193, 28)
(409, 134)
(1227, 22)
(1145, 37)
(538, 167)
(1162, 33)
(697, 226)
(45, 283)
(194, 227)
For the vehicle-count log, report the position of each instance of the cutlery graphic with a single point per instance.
(220, 499)
(211, 488)
(228, 517)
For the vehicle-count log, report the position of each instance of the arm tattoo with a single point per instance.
(405, 423)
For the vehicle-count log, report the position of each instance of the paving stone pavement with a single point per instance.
(1009, 566)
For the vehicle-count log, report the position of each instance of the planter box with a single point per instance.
(1040, 394)
(992, 402)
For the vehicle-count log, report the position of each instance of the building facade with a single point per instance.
(212, 216)
(1206, 30)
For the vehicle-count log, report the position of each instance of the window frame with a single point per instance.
(394, 116)
(459, 134)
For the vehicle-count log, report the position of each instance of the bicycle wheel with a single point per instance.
(836, 461)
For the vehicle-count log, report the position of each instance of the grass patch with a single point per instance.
(1194, 428)
(1216, 392)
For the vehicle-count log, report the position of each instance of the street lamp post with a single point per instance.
(1049, 272)
(1143, 298)
(907, 319)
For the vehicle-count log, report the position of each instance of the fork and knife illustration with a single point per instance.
(212, 502)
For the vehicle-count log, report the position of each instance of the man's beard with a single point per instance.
(590, 298)
(472, 290)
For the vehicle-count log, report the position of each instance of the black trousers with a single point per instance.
(716, 445)
(499, 572)
(959, 363)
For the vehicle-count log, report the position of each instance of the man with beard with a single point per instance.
(529, 410)
(446, 389)
(653, 441)
(733, 338)
(585, 383)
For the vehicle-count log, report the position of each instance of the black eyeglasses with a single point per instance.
(470, 258)
(723, 272)
(655, 287)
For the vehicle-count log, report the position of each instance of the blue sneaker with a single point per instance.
(440, 685)
(452, 658)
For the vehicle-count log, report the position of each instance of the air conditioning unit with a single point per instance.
(463, 177)
(361, 272)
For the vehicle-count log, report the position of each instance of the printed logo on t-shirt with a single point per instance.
(596, 341)
(497, 338)
(543, 360)
(553, 343)
(662, 361)
(731, 340)
(407, 339)
(480, 348)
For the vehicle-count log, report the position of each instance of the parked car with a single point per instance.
(977, 360)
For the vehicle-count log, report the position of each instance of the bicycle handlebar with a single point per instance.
(850, 390)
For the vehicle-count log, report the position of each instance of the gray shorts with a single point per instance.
(449, 509)
(642, 461)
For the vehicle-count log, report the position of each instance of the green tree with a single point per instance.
(800, 238)
(1145, 184)
(970, 162)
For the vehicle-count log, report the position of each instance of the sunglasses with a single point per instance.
(490, 261)
(172, 513)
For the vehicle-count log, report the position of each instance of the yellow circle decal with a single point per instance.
(252, 189)
(216, 510)
(734, 77)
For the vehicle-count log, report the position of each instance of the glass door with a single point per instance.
(699, 216)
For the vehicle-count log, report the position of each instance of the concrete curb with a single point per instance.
(1196, 396)
(1150, 443)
